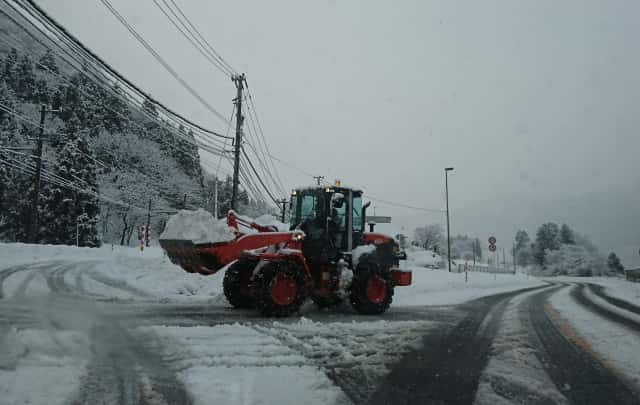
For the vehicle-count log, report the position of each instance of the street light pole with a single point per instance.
(446, 188)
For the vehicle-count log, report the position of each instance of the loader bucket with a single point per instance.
(191, 256)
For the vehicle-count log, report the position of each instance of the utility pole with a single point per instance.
(215, 196)
(284, 207)
(239, 80)
(318, 179)
(446, 190)
(33, 231)
(148, 232)
(513, 250)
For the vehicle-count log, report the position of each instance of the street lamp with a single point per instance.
(446, 188)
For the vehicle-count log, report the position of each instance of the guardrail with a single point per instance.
(632, 275)
(464, 268)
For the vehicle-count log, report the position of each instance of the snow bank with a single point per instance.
(198, 226)
(424, 258)
(12, 254)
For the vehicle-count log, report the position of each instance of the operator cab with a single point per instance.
(331, 217)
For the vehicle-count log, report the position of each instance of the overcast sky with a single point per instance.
(531, 102)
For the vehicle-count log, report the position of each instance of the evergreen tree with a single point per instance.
(9, 68)
(523, 247)
(547, 238)
(41, 92)
(566, 235)
(25, 78)
(614, 264)
(48, 61)
(116, 114)
(13, 183)
(67, 210)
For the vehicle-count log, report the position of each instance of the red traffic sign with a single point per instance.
(492, 240)
(492, 248)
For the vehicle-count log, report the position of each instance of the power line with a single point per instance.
(258, 176)
(38, 14)
(64, 183)
(211, 48)
(159, 58)
(192, 38)
(251, 107)
(401, 205)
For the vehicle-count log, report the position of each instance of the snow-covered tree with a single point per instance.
(9, 67)
(67, 211)
(47, 62)
(573, 260)
(566, 235)
(523, 247)
(547, 238)
(614, 264)
(25, 78)
(430, 237)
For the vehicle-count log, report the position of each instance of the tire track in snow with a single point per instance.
(578, 294)
(514, 373)
(123, 371)
(6, 273)
(626, 305)
(355, 356)
(568, 360)
(117, 284)
(448, 367)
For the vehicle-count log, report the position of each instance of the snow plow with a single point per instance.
(326, 256)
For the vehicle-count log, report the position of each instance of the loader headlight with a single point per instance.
(297, 237)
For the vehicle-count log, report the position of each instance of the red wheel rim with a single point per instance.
(284, 289)
(376, 289)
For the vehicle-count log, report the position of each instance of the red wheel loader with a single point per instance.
(326, 256)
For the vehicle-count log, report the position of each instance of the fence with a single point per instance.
(632, 275)
(461, 268)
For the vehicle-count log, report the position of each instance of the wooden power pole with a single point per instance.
(33, 229)
(239, 80)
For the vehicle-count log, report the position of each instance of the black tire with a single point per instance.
(331, 301)
(263, 292)
(360, 301)
(236, 284)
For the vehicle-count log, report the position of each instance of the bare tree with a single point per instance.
(429, 236)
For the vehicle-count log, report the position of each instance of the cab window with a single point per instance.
(357, 213)
(308, 207)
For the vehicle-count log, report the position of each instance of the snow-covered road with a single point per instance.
(120, 327)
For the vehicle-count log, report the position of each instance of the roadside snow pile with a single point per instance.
(270, 220)
(198, 226)
(424, 258)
